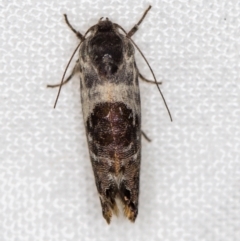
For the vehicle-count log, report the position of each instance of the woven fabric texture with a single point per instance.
(190, 172)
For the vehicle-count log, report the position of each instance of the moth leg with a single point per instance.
(63, 83)
(135, 28)
(79, 35)
(148, 81)
(146, 137)
(75, 70)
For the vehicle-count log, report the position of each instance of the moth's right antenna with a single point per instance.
(129, 35)
(165, 103)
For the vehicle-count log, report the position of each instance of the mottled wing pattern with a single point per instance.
(112, 116)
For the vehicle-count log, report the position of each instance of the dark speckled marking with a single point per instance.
(113, 128)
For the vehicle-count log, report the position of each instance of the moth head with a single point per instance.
(104, 25)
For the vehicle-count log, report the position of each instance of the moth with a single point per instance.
(111, 106)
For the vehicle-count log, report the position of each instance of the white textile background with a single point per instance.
(190, 172)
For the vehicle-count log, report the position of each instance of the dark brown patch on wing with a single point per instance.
(113, 128)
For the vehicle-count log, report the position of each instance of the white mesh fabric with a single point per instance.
(189, 173)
